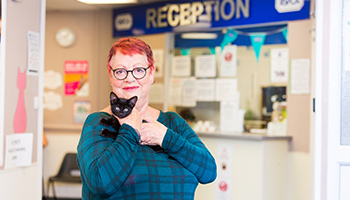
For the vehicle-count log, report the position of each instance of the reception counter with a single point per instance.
(250, 166)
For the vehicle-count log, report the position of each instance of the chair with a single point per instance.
(68, 173)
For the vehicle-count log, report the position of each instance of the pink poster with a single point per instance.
(76, 78)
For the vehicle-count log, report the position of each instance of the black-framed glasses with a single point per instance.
(137, 73)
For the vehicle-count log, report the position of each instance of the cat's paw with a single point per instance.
(108, 134)
(105, 133)
(103, 122)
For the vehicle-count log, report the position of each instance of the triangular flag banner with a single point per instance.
(229, 37)
(212, 50)
(185, 52)
(257, 41)
(285, 33)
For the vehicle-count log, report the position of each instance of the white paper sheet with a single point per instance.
(279, 65)
(226, 89)
(156, 94)
(175, 91)
(189, 92)
(205, 89)
(300, 76)
(158, 55)
(228, 61)
(181, 66)
(231, 117)
(33, 53)
(205, 66)
(224, 178)
(19, 149)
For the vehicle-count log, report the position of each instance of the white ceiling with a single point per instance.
(67, 5)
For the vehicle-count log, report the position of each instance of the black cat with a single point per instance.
(119, 107)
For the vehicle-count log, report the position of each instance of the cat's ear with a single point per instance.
(132, 101)
(113, 96)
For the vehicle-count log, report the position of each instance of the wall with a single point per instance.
(94, 37)
(17, 19)
(300, 107)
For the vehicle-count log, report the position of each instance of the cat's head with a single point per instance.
(122, 107)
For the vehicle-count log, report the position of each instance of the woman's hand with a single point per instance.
(152, 133)
(134, 120)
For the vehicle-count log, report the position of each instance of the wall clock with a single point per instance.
(65, 37)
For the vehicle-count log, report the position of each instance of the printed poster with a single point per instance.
(228, 64)
(76, 78)
(81, 109)
(279, 65)
(224, 169)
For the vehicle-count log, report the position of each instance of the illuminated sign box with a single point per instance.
(182, 16)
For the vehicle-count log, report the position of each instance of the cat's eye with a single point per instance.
(125, 110)
(137, 73)
(117, 109)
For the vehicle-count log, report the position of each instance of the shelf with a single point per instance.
(243, 136)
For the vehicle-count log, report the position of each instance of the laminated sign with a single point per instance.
(76, 78)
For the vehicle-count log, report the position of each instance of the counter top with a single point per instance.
(243, 136)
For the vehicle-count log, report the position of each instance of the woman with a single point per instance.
(129, 167)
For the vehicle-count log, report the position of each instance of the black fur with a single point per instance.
(119, 107)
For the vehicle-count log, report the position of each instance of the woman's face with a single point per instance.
(130, 86)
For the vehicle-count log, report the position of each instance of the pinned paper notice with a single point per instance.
(226, 89)
(33, 53)
(205, 89)
(175, 89)
(181, 66)
(189, 92)
(279, 65)
(224, 178)
(19, 149)
(228, 64)
(300, 76)
(205, 66)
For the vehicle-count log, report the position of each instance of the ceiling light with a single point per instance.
(199, 36)
(107, 1)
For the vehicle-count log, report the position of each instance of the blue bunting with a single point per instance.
(257, 41)
(229, 37)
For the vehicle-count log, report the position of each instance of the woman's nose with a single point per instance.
(129, 77)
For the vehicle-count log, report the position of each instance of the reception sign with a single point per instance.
(181, 15)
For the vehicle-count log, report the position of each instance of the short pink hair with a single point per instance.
(131, 46)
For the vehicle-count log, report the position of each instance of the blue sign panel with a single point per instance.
(182, 15)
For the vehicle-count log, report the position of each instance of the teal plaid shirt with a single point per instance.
(124, 169)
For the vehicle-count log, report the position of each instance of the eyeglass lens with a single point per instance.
(137, 73)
